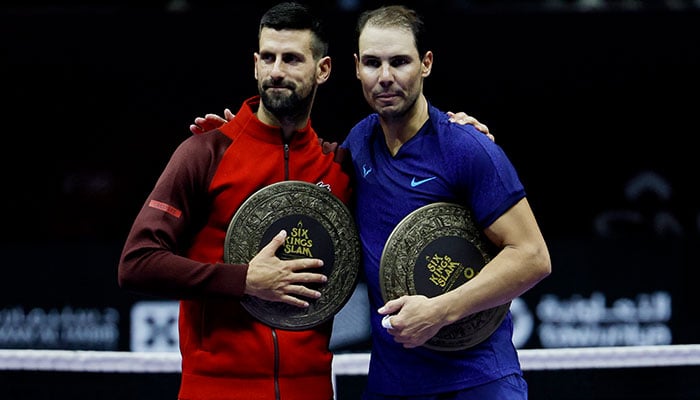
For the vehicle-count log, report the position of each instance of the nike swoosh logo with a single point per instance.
(415, 183)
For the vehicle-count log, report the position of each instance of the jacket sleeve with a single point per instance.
(154, 258)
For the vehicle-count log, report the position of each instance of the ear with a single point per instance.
(357, 66)
(323, 70)
(427, 63)
(256, 57)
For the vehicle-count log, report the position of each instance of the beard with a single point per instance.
(396, 111)
(285, 106)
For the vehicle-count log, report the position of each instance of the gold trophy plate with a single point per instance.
(433, 250)
(318, 225)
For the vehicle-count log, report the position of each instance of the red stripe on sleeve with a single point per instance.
(165, 207)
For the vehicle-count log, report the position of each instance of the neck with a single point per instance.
(288, 124)
(400, 129)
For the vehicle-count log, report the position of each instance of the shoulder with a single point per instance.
(205, 148)
(464, 144)
(442, 124)
(361, 132)
(206, 141)
(456, 134)
(365, 125)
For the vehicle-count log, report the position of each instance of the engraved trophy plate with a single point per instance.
(433, 250)
(318, 225)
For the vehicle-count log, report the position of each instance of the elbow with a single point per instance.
(542, 262)
(125, 279)
(129, 274)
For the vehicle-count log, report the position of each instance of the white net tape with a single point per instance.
(351, 363)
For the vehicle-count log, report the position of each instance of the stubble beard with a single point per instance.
(396, 111)
(399, 109)
(286, 107)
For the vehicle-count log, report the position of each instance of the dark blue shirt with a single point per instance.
(443, 162)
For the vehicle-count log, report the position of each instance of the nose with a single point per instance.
(385, 74)
(277, 69)
(386, 71)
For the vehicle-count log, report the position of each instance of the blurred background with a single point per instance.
(596, 103)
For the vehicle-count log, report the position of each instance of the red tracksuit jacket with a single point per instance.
(175, 249)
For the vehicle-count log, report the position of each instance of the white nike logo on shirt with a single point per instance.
(415, 183)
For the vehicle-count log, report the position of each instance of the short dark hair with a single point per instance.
(395, 16)
(296, 16)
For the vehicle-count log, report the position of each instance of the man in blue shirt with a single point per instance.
(406, 155)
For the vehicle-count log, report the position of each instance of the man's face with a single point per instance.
(286, 71)
(390, 69)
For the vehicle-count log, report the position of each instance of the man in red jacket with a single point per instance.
(175, 248)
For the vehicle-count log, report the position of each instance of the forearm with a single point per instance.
(148, 267)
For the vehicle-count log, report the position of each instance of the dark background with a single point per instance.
(96, 99)
(584, 100)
